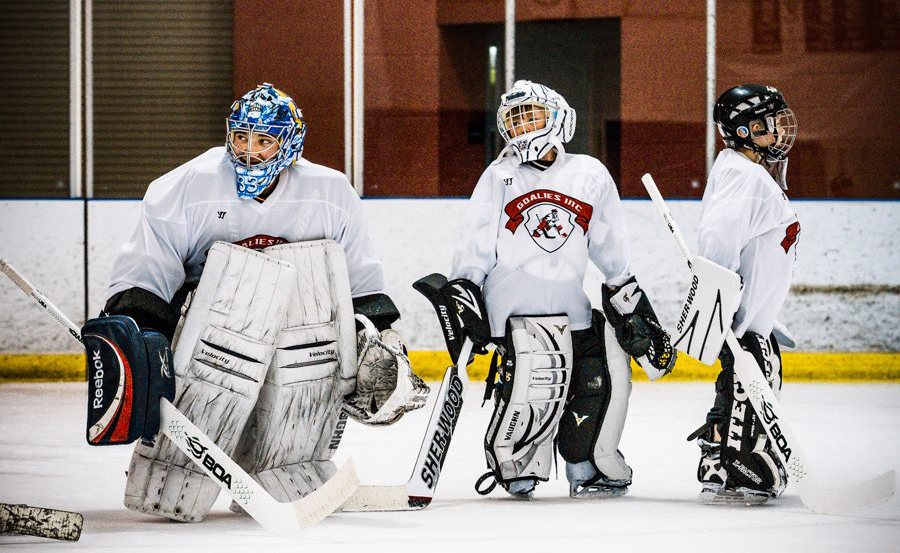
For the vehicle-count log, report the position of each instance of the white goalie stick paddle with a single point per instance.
(276, 517)
(418, 492)
(818, 497)
(42, 522)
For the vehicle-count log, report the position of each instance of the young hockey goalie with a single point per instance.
(536, 216)
(748, 231)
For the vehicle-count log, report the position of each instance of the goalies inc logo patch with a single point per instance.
(549, 217)
(260, 242)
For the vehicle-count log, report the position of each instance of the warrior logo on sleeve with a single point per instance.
(549, 217)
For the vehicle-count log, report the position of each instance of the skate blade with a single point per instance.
(738, 497)
(599, 493)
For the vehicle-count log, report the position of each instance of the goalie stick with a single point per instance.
(276, 517)
(26, 520)
(418, 492)
(818, 497)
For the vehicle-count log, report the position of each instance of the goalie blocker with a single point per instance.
(706, 315)
(637, 329)
(129, 370)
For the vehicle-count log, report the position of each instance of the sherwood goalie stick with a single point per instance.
(276, 517)
(818, 497)
(418, 492)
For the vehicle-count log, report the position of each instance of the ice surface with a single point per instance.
(850, 433)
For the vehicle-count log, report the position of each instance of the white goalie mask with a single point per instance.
(533, 119)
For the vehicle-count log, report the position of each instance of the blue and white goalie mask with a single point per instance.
(265, 135)
(534, 119)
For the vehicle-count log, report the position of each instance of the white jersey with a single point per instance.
(194, 205)
(748, 226)
(528, 234)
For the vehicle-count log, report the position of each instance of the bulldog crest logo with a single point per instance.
(549, 217)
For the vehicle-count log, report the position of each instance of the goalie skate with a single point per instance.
(598, 490)
(719, 494)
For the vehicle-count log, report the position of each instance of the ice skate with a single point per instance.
(521, 489)
(585, 482)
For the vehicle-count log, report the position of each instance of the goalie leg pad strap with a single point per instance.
(591, 426)
(287, 443)
(534, 382)
(226, 344)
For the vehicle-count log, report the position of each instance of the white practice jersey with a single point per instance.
(194, 205)
(748, 226)
(528, 234)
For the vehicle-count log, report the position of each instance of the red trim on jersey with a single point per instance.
(790, 236)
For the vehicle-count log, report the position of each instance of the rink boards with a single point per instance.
(430, 365)
(845, 302)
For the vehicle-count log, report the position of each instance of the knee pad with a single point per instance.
(591, 427)
(746, 453)
(286, 444)
(535, 379)
(223, 354)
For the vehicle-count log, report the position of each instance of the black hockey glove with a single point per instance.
(129, 370)
(637, 329)
(466, 299)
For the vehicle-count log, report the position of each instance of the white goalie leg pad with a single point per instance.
(706, 315)
(606, 450)
(287, 445)
(535, 380)
(226, 344)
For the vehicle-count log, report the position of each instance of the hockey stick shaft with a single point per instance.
(814, 495)
(29, 290)
(278, 518)
(441, 425)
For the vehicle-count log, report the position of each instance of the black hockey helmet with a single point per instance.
(738, 108)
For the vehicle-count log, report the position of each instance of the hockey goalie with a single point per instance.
(271, 300)
(537, 215)
(748, 242)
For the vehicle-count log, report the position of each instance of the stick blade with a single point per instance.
(831, 500)
(383, 498)
(41, 522)
(328, 498)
